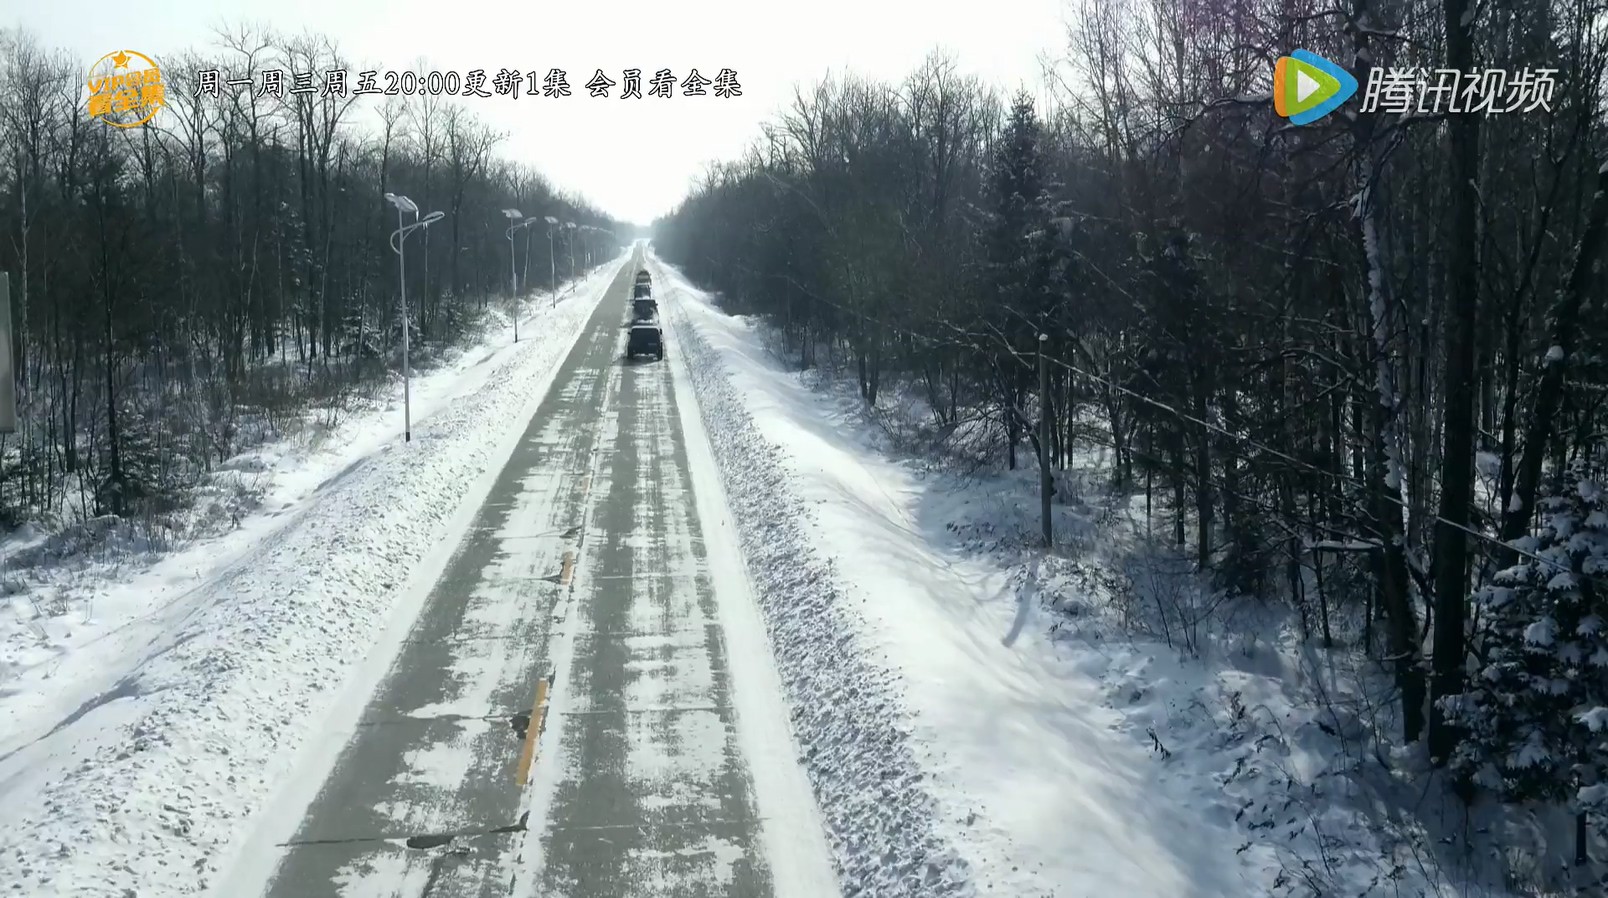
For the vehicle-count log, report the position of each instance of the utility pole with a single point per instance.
(569, 243)
(514, 224)
(552, 261)
(524, 267)
(513, 284)
(1044, 440)
(399, 240)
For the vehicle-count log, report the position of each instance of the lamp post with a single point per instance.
(513, 275)
(399, 239)
(524, 266)
(610, 234)
(569, 227)
(552, 260)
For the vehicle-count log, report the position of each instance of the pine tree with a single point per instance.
(1021, 243)
(1020, 260)
(1536, 709)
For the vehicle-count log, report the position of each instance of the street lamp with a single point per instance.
(601, 244)
(552, 261)
(398, 241)
(569, 227)
(594, 245)
(513, 276)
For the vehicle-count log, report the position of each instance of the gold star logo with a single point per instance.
(121, 59)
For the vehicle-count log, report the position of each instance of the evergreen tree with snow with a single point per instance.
(1020, 259)
(1020, 228)
(1536, 707)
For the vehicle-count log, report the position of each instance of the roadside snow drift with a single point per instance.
(130, 764)
(952, 748)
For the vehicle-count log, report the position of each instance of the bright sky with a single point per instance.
(635, 159)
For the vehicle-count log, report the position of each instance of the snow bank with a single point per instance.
(136, 750)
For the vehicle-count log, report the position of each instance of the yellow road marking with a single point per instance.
(533, 731)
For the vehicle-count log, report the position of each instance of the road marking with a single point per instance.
(533, 731)
(568, 570)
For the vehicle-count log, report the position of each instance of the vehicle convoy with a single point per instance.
(646, 339)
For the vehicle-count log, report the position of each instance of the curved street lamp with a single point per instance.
(398, 244)
(513, 277)
(589, 248)
(570, 229)
(552, 260)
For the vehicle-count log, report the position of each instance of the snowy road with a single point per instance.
(587, 566)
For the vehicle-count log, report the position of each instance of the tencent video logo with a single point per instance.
(1307, 87)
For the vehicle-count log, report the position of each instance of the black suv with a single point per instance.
(645, 339)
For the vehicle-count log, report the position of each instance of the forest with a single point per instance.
(183, 290)
(1359, 368)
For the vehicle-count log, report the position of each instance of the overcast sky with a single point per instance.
(634, 158)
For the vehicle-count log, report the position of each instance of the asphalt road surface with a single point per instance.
(584, 566)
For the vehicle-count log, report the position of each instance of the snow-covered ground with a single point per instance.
(146, 720)
(971, 719)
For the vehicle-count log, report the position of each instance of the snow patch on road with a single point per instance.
(668, 670)
(442, 766)
(721, 857)
(474, 680)
(220, 663)
(670, 749)
(680, 795)
(382, 875)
